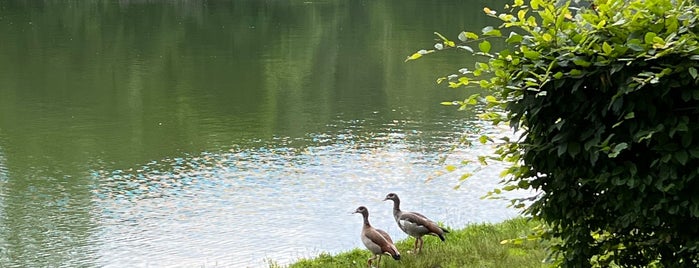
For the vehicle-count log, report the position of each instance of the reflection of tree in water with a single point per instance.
(107, 86)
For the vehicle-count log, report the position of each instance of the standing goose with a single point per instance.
(414, 224)
(376, 240)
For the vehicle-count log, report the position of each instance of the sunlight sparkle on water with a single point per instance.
(215, 208)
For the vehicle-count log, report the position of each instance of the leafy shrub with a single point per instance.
(606, 96)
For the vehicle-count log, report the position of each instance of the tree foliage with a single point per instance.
(606, 98)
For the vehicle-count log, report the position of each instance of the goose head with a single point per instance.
(362, 210)
(392, 196)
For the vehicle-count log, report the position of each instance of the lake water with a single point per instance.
(227, 133)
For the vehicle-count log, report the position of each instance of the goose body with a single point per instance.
(376, 240)
(415, 224)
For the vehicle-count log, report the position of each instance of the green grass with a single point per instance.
(476, 245)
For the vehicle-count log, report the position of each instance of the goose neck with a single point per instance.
(366, 219)
(396, 205)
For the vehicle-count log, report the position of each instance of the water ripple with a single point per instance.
(281, 202)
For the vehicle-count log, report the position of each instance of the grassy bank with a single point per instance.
(474, 246)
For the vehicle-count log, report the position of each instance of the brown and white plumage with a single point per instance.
(376, 240)
(415, 224)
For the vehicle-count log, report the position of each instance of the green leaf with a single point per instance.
(581, 62)
(483, 139)
(681, 157)
(481, 159)
(532, 55)
(414, 56)
(575, 72)
(470, 35)
(450, 168)
(648, 38)
(693, 72)
(509, 187)
(607, 48)
(686, 140)
(507, 17)
(491, 99)
(441, 36)
(514, 38)
(617, 149)
(493, 32)
(482, 66)
(472, 100)
(658, 42)
(465, 176)
(635, 45)
(484, 46)
(521, 14)
(601, 24)
(561, 149)
(666, 158)
(547, 37)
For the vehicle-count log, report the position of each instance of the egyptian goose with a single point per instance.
(414, 224)
(376, 240)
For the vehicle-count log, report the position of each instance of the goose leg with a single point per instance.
(374, 258)
(417, 239)
(421, 242)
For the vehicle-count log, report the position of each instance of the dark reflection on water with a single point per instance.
(45, 226)
(189, 133)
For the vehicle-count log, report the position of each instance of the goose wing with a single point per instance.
(378, 241)
(385, 235)
(417, 224)
(389, 247)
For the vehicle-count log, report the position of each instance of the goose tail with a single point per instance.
(441, 236)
